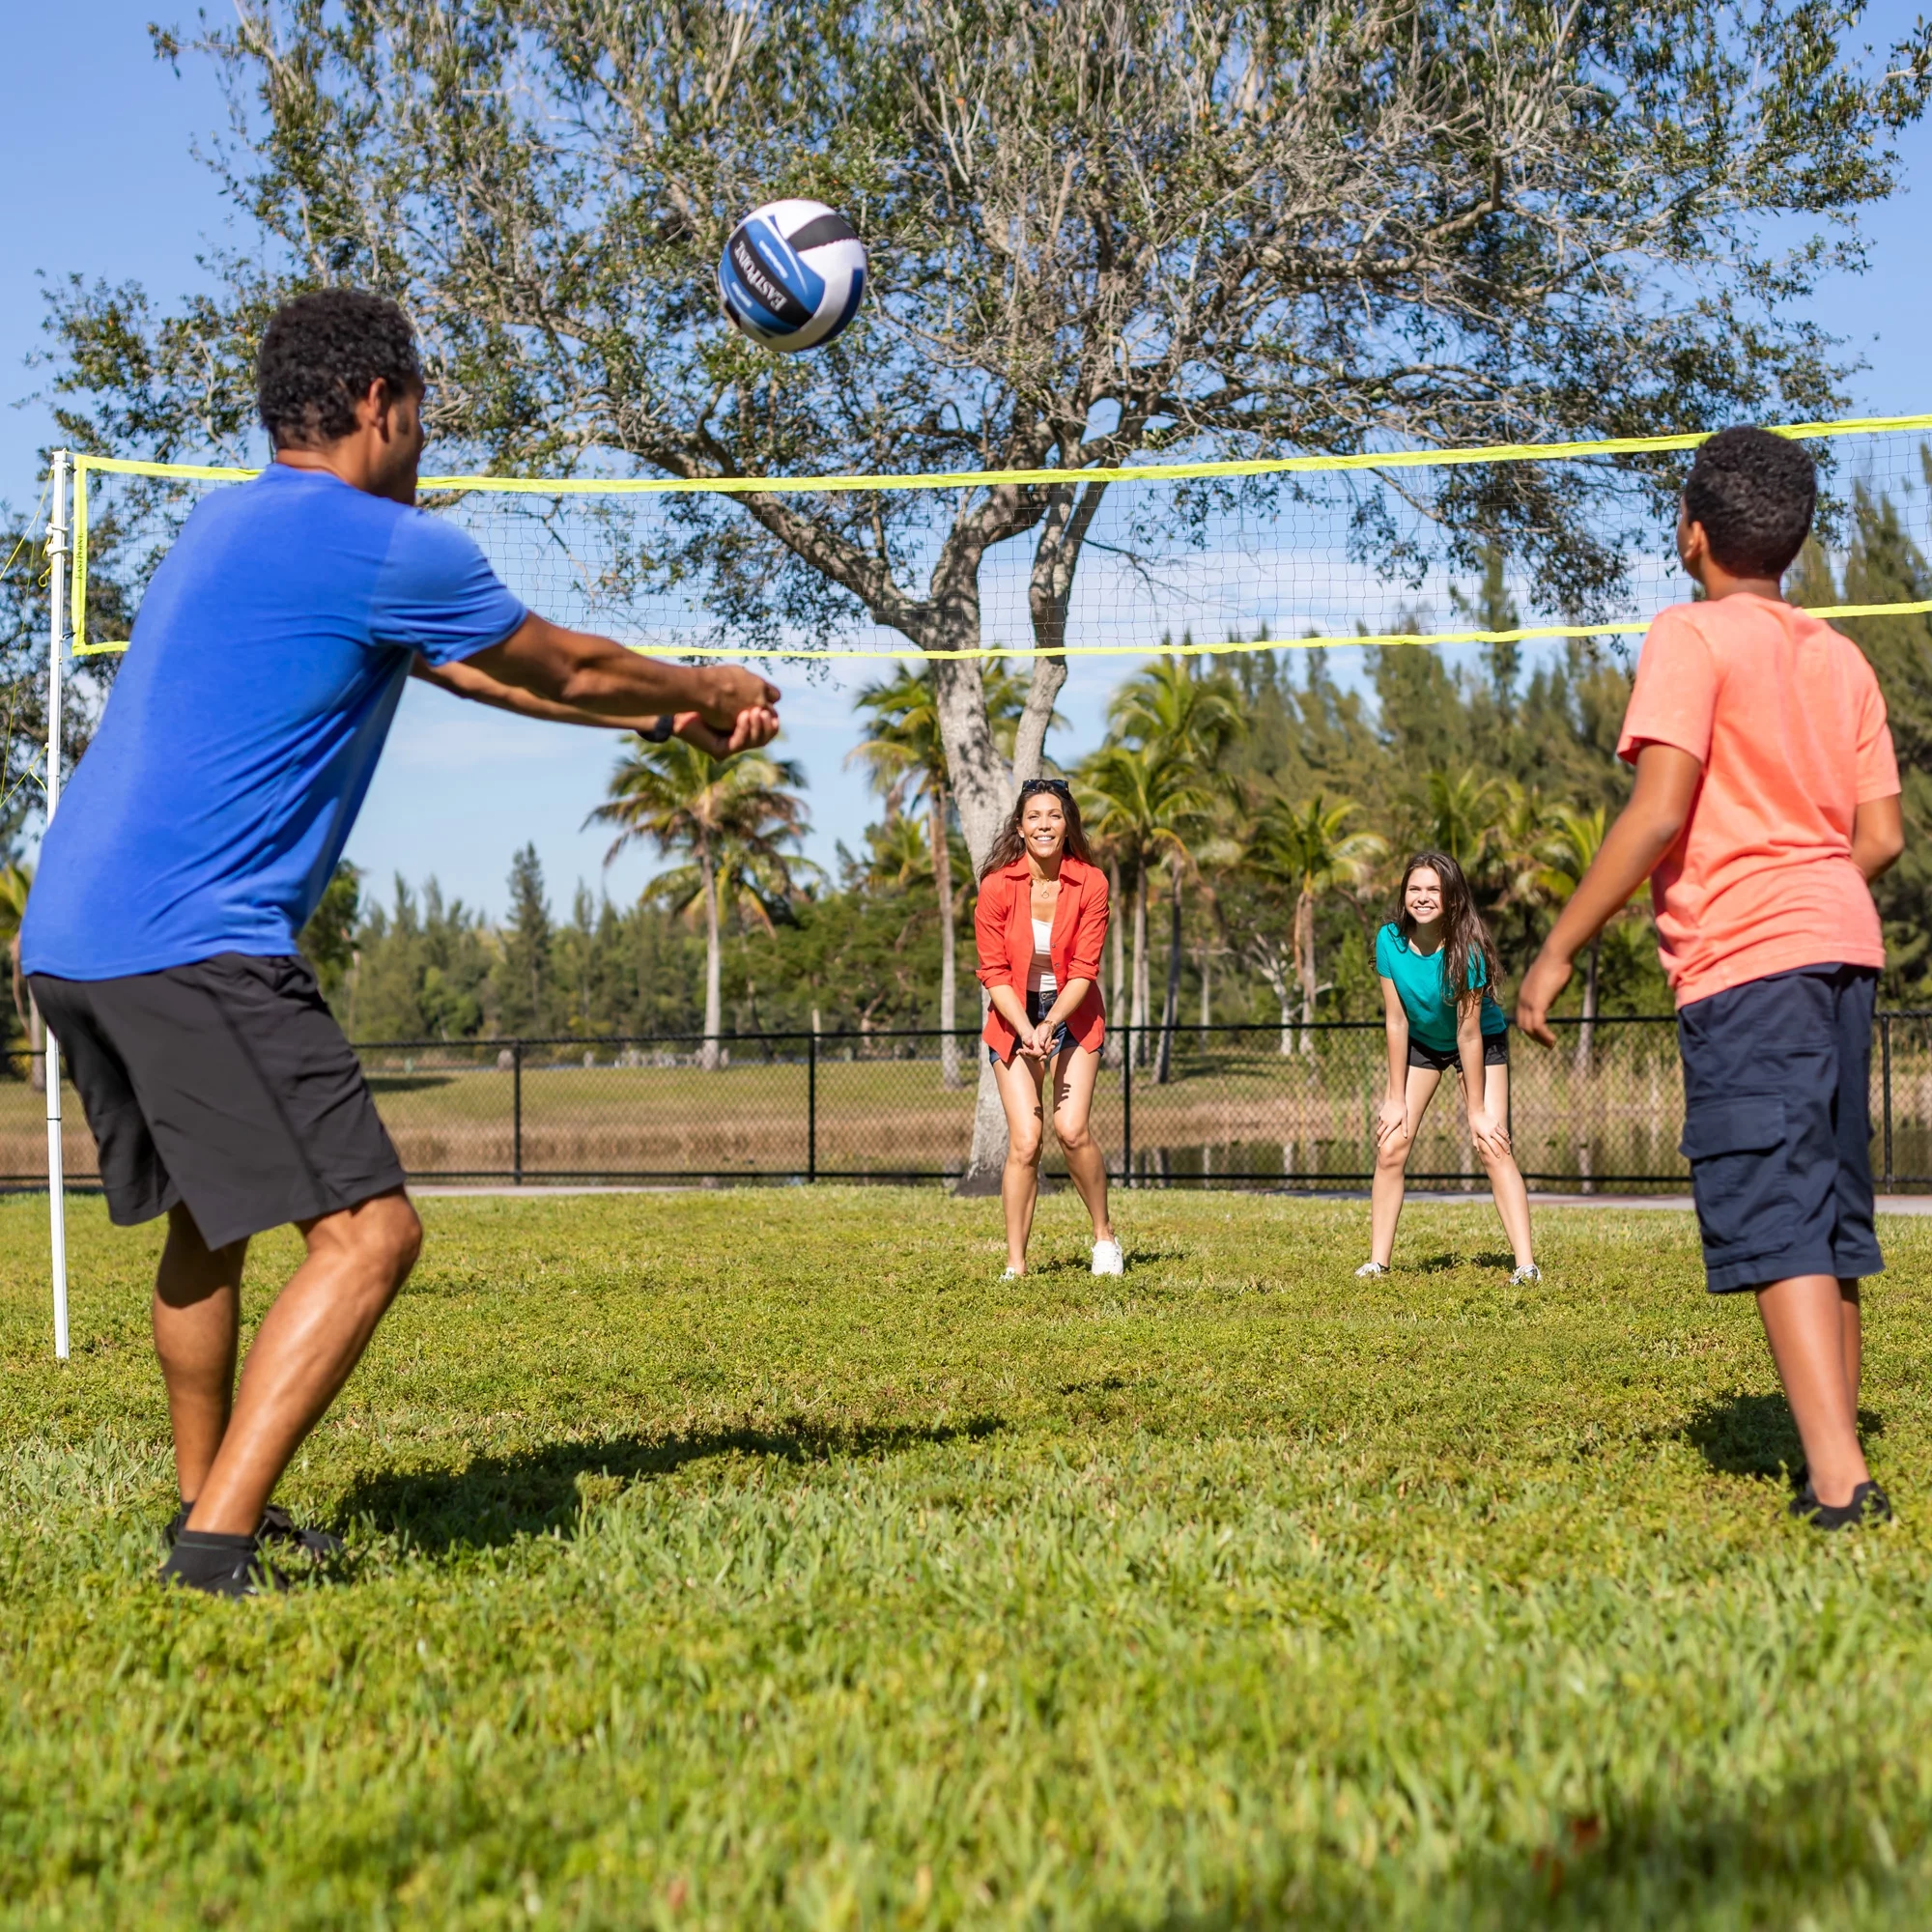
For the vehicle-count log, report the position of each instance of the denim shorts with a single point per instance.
(1777, 1126)
(1038, 1005)
(1495, 1053)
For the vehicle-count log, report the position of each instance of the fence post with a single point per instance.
(811, 1107)
(517, 1112)
(1126, 1106)
(1885, 1065)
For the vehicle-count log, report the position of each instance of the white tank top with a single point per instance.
(1039, 975)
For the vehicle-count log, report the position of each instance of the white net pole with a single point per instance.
(56, 651)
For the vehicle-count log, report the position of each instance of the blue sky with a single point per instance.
(95, 151)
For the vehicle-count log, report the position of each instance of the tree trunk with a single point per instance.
(1116, 1001)
(1141, 1002)
(714, 960)
(949, 942)
(1304, 966)
(1170, 1010)
(1056, 557)
(982, 793)
(1586, 1033)
(1280, 982)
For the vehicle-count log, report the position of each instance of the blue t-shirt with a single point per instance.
(1425, 998)
(246, 722)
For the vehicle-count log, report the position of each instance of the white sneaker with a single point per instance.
(1524, 1275)
(1013, 1275)
(1108, 1258)
(1371, 1271)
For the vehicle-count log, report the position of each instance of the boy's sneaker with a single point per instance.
(1371, 1271)
(221, 1566)
(1524, 1275)
(1108, 1258)
(1868, 1504)
(277, 1525)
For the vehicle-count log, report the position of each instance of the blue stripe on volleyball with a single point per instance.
(803, 283)
(751, 313)
(746, 273)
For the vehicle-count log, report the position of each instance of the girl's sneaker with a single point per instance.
(1868, 1504)
(1524, 1275)
(1371, 1271)
(1108, 1258)
(1013, 1275)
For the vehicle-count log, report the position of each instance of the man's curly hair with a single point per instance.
(319, 355)
(1754, 494)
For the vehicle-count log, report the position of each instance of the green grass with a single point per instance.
(755, 1558)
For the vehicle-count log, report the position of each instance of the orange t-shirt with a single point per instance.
(1787, 718)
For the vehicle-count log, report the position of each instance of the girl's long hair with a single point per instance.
(1010, 845)
(1466, 939)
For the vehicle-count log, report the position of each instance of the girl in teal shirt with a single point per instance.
(1440, 1018)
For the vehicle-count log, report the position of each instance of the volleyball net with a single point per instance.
(1507, 544)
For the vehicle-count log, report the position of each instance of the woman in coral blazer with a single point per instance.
(1041, 923)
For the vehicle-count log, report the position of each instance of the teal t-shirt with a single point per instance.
(1418, 984)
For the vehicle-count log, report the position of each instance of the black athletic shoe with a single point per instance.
(221, 1566)
(1868, 1504)
(277, 1525)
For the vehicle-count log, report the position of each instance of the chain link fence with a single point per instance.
(1222, 1105)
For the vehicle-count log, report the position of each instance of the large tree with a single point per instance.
(1099, 229)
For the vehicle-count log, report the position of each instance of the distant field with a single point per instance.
(1230, 1106)
(758, 1559)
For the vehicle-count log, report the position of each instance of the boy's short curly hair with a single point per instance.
(319, 355)
(1754, 494)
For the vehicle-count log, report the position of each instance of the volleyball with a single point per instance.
(791, 274)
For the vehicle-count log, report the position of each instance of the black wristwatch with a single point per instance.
(660, 731)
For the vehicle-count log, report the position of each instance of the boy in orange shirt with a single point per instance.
(1765, 802)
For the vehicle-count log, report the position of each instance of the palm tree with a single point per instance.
(1458, 813)
(906, 759)
(1570, 844)
(1169, 710)
(1151, 802)
(1306, 845)
(734, 816)
(15, 883)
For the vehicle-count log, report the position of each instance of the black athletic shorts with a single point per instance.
(1777, 1125)
(225, 1086)
(1495, 1053)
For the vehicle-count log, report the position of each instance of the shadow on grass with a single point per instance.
(1794, 1853)
(1450, 1257)
(1755, 1435)
(495, 1499)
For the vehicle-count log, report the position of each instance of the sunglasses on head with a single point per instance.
(1058, 786)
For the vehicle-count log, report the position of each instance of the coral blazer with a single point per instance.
(1003, 924)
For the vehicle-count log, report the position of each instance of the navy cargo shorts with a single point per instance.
(1777, 1125)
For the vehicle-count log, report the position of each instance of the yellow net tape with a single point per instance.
(1293, 465)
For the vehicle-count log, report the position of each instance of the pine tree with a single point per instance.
(524, 984)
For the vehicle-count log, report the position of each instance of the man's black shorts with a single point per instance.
(1777, 1125)
(226, 1085)
(1495, 1053)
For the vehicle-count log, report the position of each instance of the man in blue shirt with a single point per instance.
(196, 839)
